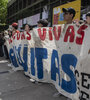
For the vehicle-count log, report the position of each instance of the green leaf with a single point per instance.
(3, 10)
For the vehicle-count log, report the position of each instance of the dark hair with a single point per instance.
(29, 26)
(88, 14)
(43, 22)
(16, 27)
(73, 15)
(23, 27)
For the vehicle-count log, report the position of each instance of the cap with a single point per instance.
(43, 22)
(70, 10)
(88, 14)
(15, 24)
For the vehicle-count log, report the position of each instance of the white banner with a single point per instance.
(58, 55)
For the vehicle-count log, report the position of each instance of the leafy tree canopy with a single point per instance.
(3, 11)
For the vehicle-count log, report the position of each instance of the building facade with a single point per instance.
(19, 9)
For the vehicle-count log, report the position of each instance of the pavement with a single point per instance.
(16, 86)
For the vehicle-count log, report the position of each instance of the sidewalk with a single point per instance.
(15, 86)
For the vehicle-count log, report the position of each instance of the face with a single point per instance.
(68, 16)
(88, 20)
(27, 28)
(40, 25)
(13, 28)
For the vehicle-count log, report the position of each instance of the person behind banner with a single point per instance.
(69, 14)
(15, 30)
(42, 23)
(6, 37)
(2, 41)
(26, 30)
(88, 18)
(27, 27)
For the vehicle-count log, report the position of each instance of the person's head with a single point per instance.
(14, 26)
(88, 18)
(42, 23)
(69, 14)
(27, 27)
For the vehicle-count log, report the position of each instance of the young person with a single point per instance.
(88, 18)
(27, 27)
(15, 29)
(69, 14)
(42, 23)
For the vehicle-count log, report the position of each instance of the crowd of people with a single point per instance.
(69, 15)
(7, 34)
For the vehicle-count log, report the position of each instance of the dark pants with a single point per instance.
(6, 52)
(1, 51)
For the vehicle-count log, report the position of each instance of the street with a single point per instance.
(16, 86)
